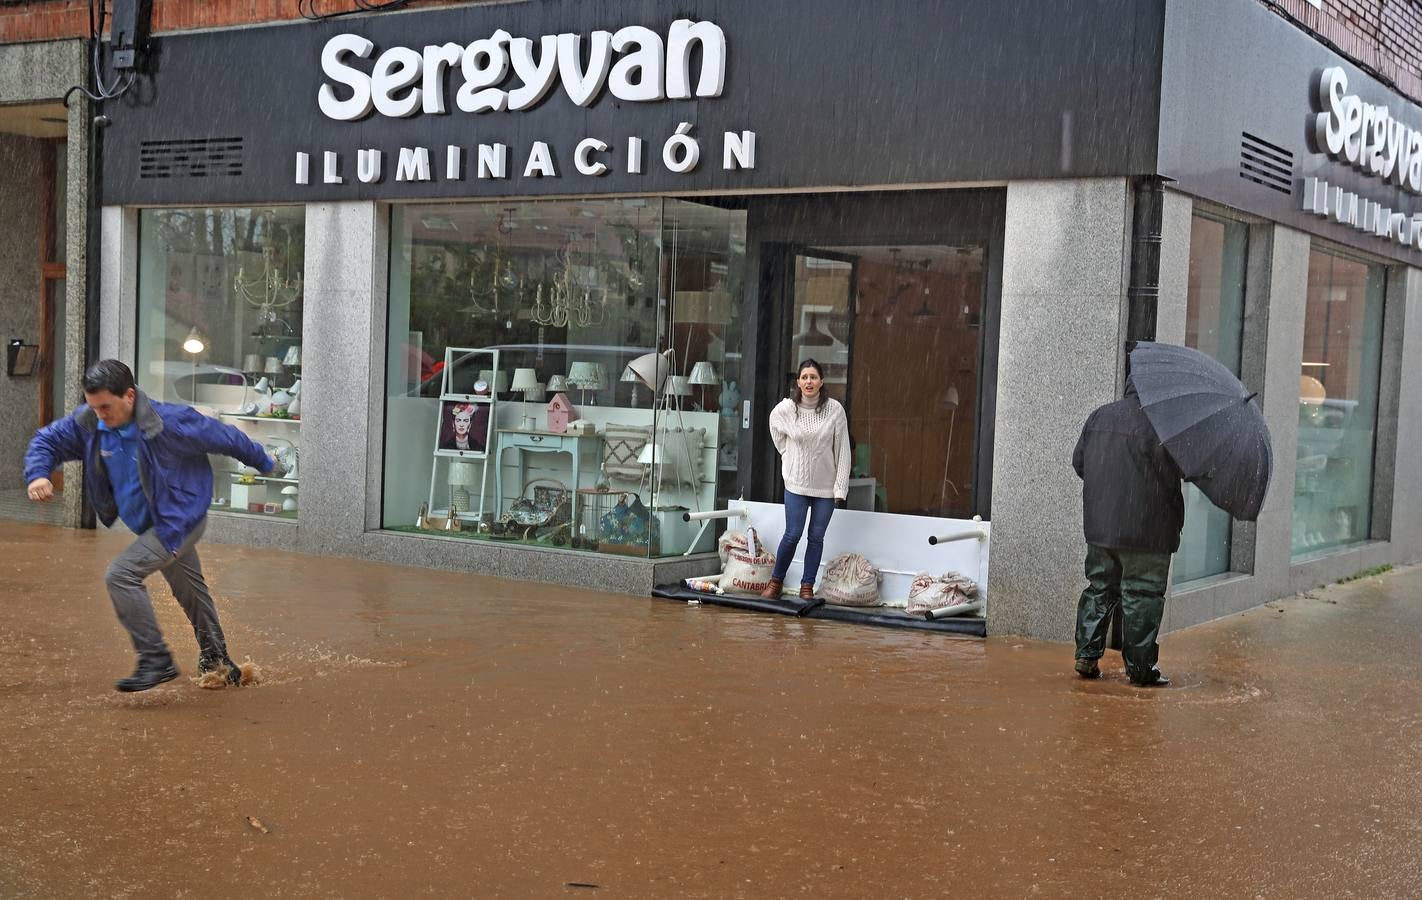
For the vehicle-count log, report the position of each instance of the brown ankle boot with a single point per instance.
(772, 590)
(807, 592)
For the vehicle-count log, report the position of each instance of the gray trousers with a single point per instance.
(183, 573)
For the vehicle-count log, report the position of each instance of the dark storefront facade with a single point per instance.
(405, 251)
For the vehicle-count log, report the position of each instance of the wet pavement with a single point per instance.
(428, 733)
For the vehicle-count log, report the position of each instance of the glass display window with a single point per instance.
(580, 354)
(1214, 324)
(220, 303)
(1338, 402)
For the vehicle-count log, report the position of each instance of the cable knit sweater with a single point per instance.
(813, 447)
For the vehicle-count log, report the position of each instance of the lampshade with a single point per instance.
(194, 343)
(678, 386)
(1311, 391)
(252, 362)
(537, 392)
(524, 380)
(584, 375)
(293, 356)
(290, 489)
(648, 451)
(273, 366)
(500, 384)
(704, 373)
(600, 374)
(461, 473)
(629, 375)
(652, 368)
(950, 397)
(557, 384)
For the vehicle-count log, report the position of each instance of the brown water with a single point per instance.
(424, 733)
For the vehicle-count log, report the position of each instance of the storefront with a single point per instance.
(511, 288)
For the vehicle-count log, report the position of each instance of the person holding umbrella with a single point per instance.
(1132, 513)
(1184, 416)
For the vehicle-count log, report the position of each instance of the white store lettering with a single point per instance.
(633, 64)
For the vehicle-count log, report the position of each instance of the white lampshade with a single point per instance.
(252, 362)
(462, 473)
(584, 375)
(678, 386)
(629, 375)
(652, 368)
(648, 451)
(293, 356)
(500, 385)
(524, 380)
(704, 373)
(537, 392)
(295, 388)
(194, 343)
(599, 375)
(557, 384)
(273, 366)
(950, 399)
(263, 386)
(290, 489)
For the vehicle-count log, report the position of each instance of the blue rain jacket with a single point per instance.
(172, 462)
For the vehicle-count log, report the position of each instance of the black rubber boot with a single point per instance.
(212, 662)
(147, 675)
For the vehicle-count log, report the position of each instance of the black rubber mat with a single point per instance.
(817, 609)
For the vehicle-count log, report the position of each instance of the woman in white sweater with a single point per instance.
(811, 434)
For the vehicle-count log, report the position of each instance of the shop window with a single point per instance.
(562, 373)
(219, 328)
(1214, 324)
(1338, 402)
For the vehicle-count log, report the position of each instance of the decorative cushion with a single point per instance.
(681, 452)
(622, 444)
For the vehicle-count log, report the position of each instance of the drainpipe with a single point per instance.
(92, 237)
(1143, 294)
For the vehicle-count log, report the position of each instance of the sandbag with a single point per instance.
(851, 580)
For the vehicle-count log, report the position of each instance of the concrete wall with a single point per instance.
(1063, 323)
(31, 73)
(20, 286)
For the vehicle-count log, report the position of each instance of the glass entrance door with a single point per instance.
(897, 330)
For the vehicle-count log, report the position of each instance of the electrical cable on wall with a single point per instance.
(102, 91)
(307, 9)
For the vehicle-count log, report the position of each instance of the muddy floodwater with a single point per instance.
(423, 733)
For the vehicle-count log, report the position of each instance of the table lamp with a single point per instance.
(497, 385)
(461, 475)
(525, 381)
(585, 377)
(702, 374)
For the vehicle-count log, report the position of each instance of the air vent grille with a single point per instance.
(196, 158)
(1266, 164)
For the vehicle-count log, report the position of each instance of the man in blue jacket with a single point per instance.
(146, 463)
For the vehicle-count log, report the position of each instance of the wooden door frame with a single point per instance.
(50, 270)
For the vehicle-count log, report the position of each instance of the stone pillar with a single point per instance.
(1064, 278)
(342, 384)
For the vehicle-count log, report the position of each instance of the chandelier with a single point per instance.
(270, 292)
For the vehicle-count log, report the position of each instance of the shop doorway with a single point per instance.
(896, 296)
(897, 331)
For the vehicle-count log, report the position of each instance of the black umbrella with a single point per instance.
(1208, 422)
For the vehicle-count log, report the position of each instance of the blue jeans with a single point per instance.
(820, 509)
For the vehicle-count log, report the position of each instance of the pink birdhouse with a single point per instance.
(560, 413)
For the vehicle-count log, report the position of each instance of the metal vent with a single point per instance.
(1264, 163)
(197, 158)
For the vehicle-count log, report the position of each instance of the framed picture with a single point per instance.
(464, 427)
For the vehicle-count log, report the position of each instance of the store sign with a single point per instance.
(504, 74)
(1372, 140)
